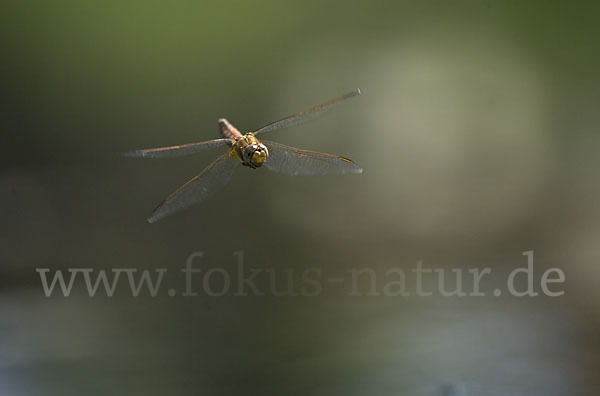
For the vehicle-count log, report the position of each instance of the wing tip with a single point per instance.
(132, 154)
(352, 94)
(355, 168)
(156, 214)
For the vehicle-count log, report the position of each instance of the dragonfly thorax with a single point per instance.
(250, 151)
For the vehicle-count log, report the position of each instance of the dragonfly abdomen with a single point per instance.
(228, 130)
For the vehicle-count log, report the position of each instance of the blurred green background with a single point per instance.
(478, 133)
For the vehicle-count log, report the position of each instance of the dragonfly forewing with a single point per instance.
(179, 151)
(306, 115)
(296, 162)
(211, 180)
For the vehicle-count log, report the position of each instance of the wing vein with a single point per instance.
(179, 150)
(307, 114)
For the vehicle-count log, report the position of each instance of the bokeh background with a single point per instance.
(478, 132)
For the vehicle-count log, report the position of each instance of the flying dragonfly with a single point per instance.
(247, 150)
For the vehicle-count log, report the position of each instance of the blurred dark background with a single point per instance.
(478, 133)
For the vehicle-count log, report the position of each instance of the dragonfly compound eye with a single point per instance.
(259, 156)
(249, 152)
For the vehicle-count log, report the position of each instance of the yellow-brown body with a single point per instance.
(250, 151)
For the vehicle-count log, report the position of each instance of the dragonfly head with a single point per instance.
(255, 155)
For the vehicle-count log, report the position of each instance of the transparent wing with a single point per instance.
(178, 151)
(306, 115)
(296, 162)
(212, 179)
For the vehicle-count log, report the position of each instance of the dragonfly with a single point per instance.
(247, 150)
